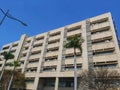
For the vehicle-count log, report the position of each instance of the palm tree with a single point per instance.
(14, 64)
(18, 81)
(6, 55)
(74, 42)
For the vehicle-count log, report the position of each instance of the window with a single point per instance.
(95, 41)
(101, 52)
(34, 60)
(49, 68)
(106, 66)
(49, 82)
(33, 69)
(0, 65)
(69, 67)
(25, 48)
(51, 58)
(66, 82)
(53, 49)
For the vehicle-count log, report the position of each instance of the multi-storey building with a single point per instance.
(48, 65)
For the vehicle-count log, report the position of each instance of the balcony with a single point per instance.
(30, 65)
(48, 74)
(78, 31)
(101, 35)
(10, 61)
(22, 58)
(102, 45)
(100, 25)
(52, 53)
(14, 48)
(71, 60)
(8, 68)
(50, 63)
(6, 50)
(20, 67)
(53, 45)
(1, 62)
(30, 74)
(54, 37)
(35, 56)
(105, 58)
(27, 44)
(36, 49)
(38, 42)
(71, 51)
(24, 51)
(6, 47)
(49, 68)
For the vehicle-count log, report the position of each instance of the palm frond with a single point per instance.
(8, 55)
(74, 42)
(15, 64)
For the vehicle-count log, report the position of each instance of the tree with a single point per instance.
(76, 43)
(6, 55)
(17, 83)
(14, 64)
(101, 79)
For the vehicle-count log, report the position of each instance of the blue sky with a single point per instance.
(44, 15)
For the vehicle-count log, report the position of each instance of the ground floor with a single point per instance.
(51, 83)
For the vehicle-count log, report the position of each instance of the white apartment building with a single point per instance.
(49, 66)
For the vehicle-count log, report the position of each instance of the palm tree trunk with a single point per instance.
(2, 70)
(75, 71)
(11, 79)
(1, 74)
(10, 82)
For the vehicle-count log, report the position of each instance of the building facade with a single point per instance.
(48, 65)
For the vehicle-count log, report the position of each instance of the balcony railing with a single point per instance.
(103, 45)
(52, 53)
(50, 63)
(100, 25)
(78, 31)
(101, 35)
(54, 37)
(100, 58)
(53, 45)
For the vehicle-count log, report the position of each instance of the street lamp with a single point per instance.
(6, 14)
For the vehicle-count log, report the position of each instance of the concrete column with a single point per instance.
(42, 53)
(60, 53)
(84, 47)
(27, 56)
(56, 83)
(115, 40)
(21, 42)
(36, 81)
